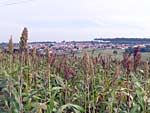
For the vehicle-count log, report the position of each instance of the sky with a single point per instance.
(57, 20)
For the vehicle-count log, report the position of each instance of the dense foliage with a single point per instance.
(68, 84)
(132, 41)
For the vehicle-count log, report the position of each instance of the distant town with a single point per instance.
(75, 46)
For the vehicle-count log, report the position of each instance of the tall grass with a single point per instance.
(30, 83)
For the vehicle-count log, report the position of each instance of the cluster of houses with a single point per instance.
(75, 46)
(72, 46)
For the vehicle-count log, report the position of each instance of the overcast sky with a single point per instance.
(57, 20)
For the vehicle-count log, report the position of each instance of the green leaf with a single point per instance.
(77, 107)
(50, 106)
(134, 109)
(56, 88)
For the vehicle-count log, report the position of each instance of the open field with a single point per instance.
(119, 54)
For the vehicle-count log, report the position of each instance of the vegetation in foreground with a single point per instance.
(30, 83)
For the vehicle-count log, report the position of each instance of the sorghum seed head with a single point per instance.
(23, 40)
(117, 72)
(25, 33)
(11, 45)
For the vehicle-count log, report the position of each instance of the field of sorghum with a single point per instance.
(30, 83)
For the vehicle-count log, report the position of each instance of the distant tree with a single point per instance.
(146, 49)
(115, 52)
(93, 51)
(129, 50)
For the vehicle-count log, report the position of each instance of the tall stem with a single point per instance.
(20, 83)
